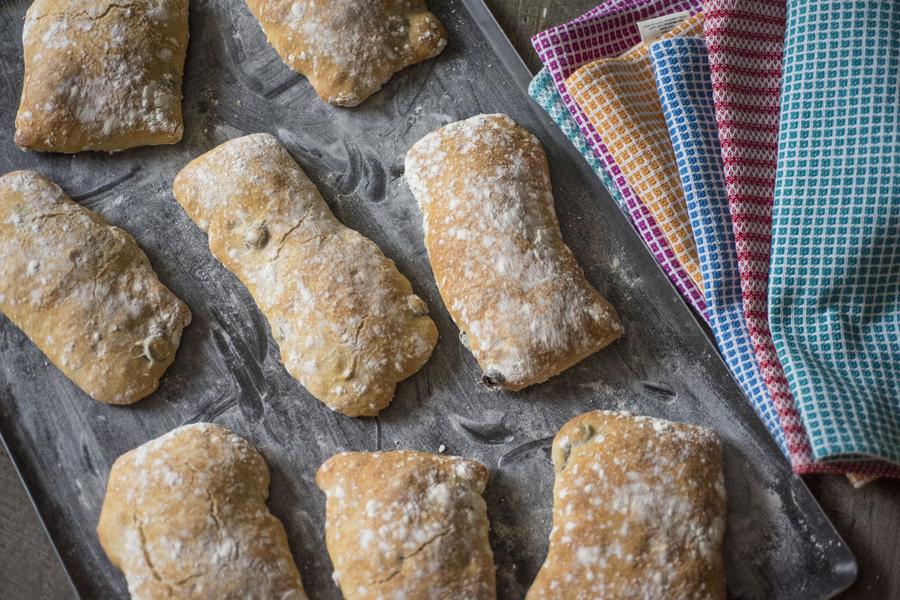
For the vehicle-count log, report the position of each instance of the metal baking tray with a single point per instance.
(778, 543)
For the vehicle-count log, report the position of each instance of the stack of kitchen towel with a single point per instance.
(755, 147)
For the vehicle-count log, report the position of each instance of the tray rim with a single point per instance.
(515, 66)
(39, 514)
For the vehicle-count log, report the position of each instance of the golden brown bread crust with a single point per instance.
(522, 303)
(102, 74)
(638, 511)
(349, 49)
(84, 292)
(185, 517)
(347, 322)
(407, 524)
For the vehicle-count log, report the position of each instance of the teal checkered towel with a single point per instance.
(834, 295)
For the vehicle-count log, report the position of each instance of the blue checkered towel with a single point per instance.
(681, 68)
(834, 294)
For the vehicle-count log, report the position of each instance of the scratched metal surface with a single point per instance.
(779, 545)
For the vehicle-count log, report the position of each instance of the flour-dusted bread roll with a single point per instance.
(84, 292)
(638, 511)
(407, 524)
(522, 303)
(346, 48)
(185, 516)
(102, 74)
(347, 322)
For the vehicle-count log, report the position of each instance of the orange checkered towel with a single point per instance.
(620, 99)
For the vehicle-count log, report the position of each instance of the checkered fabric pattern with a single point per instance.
(745, 40)
(682, 74)
(834, 295)
(609, 30)
(543, 90)
(618, 96)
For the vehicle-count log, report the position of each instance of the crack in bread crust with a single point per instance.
(347, 323)
(185, 516)
(407, 524)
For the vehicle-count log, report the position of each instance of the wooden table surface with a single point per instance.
(868, 519)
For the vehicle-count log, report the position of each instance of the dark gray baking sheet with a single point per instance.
(779, 544)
